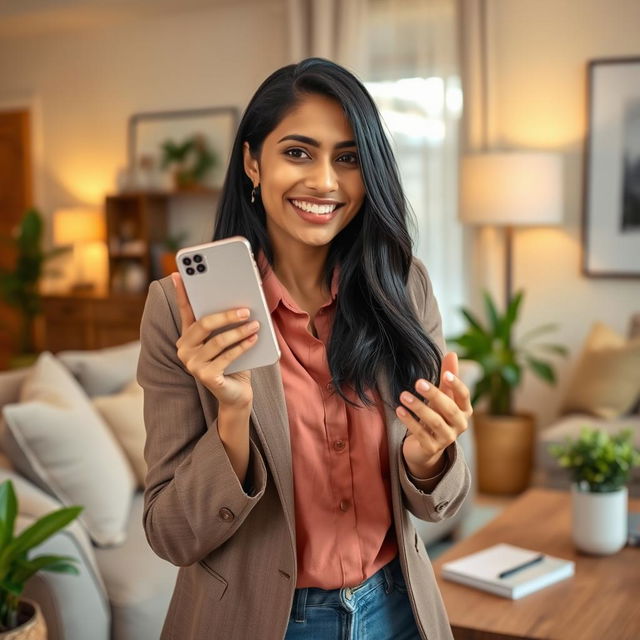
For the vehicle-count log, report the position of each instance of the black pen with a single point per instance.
(524, 565)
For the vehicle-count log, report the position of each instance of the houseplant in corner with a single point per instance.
(504, 438)
(600, 465)
(19, 285)
(21, 619)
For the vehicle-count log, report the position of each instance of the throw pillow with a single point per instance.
(606, 380)
(123, 412)
(55, 438)
(103, 371)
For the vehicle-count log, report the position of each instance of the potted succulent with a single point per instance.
(193, 160)
(19, 285)
(21, 619)
(504, 438)
(600, 466)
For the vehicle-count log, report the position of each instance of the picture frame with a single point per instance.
(611, 185)
(147, 131)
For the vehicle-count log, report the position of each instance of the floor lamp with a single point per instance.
(511, 189)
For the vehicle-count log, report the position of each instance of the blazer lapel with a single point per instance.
(271, 422)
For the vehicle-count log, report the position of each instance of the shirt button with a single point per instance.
(344, 505)
(441, 506)
(226, 514)
(339, 445)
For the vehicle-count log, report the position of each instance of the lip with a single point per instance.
(314, 218)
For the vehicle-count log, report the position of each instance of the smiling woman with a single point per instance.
(282, 492)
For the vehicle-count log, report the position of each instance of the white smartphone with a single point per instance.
(223, 275)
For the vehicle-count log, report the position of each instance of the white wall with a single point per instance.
(86, 83)
(536, 90)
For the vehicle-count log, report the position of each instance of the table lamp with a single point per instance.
(511, 189)
(79, 227)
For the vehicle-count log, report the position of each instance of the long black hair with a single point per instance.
(375, 326)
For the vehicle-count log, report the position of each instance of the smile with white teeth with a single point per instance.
(318, 209)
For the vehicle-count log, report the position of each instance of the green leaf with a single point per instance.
(553, 348)
(473, 321)
(494, 318)
(541, 369)
(38, 532)
(531, 333)
(511, 314)
(8, 511)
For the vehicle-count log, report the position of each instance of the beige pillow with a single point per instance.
(606, 380)
(103, 371)
(56, 438)
(123, 412)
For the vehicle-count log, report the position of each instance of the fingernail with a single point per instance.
(173, 279)
(448, 376)
(243, 313)
(402, 411)
(423, 386)
(407, 397)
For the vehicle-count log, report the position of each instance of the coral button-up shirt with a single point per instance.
(344, 531)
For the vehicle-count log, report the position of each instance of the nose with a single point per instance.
(322, 177)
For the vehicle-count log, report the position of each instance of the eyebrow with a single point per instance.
(315, 143)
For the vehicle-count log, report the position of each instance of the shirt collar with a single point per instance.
(275, 292)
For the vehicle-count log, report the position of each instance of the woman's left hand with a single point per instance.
(441, 419)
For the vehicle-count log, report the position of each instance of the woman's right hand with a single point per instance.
(202, 355)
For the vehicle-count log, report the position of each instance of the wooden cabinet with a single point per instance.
(137, 229)
(91, 321)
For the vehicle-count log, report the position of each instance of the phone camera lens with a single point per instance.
(190, 271)
(186, 261)
(201, 268)
(197, 258)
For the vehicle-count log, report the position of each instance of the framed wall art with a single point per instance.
(196, 142)
(611, 199)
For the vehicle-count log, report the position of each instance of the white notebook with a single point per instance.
(482, 569)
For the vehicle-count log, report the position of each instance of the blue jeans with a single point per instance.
(377, 609)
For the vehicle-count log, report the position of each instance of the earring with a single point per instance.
(253, 195)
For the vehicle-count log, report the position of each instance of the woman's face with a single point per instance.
(309, 174)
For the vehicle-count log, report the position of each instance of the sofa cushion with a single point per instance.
(123, 413)
(606, 379)
(55, 437)
(139, 583)
(103, 371)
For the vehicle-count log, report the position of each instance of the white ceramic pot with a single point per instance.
(599, 520)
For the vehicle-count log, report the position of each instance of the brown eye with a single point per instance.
(295, 151)
(352, 158)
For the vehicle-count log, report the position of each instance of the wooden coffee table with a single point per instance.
(600, 602)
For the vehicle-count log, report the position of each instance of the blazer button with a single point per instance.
(226, 514)
(441, 506)
(344, 505)
(339, 445)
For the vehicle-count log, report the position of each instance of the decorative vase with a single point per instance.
(32, 627)
(599, 520)
(504, 452)
(168, 263)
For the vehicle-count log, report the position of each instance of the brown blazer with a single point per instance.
(237, 552)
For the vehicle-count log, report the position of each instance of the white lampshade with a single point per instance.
(511, 188)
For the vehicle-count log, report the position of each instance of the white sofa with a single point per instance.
(123, 590)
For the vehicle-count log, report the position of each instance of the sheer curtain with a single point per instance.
(406, 52)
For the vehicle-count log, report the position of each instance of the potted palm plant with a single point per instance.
(504, 438)
(21, 619)
(600, 466)
(19, 285)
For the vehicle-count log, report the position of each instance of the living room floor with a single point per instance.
(486, 507)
